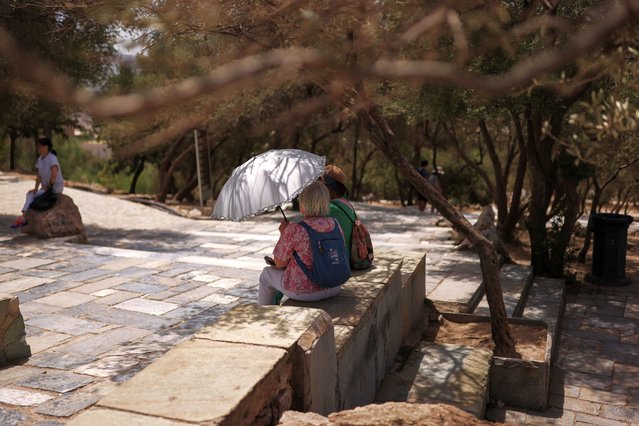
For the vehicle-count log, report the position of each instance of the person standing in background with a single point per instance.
(422, 170)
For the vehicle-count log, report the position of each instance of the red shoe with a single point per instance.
(19, 223)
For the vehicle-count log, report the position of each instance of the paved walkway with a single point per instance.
(595, 376)
(97, 314)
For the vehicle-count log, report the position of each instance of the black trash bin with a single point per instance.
(609, 248)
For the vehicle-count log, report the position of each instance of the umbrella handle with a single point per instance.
(282, 211)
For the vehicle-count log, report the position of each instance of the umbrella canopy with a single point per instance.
(266, 181)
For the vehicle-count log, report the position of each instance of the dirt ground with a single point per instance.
(531, 340)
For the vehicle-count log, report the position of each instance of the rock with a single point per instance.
(390, 413)
(485, 224)
(60, 221)
(295, 418)
(13, 344)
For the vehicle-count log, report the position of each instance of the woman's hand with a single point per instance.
(283, 225)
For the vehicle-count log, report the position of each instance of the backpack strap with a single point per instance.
(339, 206)
(296, 256)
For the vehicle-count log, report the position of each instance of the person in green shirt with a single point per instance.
(340, 208)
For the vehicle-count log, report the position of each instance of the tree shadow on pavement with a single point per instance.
(158, 240)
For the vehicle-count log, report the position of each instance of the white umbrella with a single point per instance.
(266, 181)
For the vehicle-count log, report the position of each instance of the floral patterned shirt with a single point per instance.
(296, 239)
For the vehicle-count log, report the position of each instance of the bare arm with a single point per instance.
(281, 263)
(54, 175)
(37, 184)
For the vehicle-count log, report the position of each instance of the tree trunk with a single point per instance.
(354, 187)
(139, 168)
(507, 232)
(186, 190)
(165, 171)
(13, 139)
(540, 164)
(594, 205)
(499, 187)
(384, 138)
(561, 241)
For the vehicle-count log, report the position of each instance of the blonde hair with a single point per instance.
(315, 199)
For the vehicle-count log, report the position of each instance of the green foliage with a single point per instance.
(443, 102)
(462, 187)
(64, 35)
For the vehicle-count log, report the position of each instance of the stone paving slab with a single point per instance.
(514, 280)
(111, 315)
(65, 324)
(55, 381)
(457, 290)
(453, 374)
(22, 397)
(97, 344)
(60, 360)
(146, 306)
(11, 417)
(25, 263)
(67, 405)
(15, 373)
(65, 299)
(22, 284)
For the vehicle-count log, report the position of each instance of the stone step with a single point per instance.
(453, 284)
(515, 282)
(447, 373)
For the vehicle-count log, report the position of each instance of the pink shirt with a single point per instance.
(296, 239)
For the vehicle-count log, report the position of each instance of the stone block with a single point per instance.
(388, 325)
(454, 374)
(367, 315)
(356, 363)
(62, 220)
(12, 331)
(305, 333)
(513, 381)
(213, 382)
(343, 309)
(416, 292)
(413, 291)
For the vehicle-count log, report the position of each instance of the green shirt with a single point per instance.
(345, 220)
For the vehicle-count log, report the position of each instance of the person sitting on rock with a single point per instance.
(49, 175)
